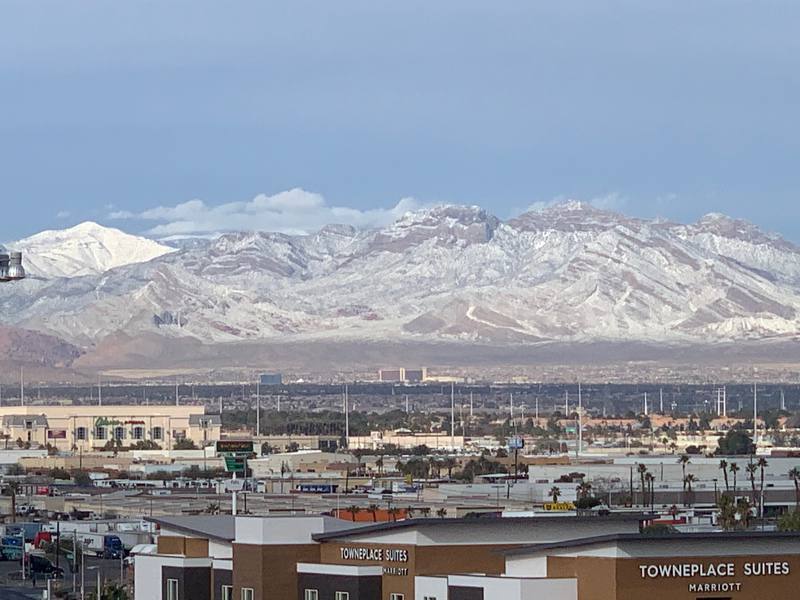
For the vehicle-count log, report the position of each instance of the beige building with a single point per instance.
(403, 438)
(91, 427)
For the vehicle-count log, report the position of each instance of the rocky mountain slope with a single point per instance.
(87, 249)
(570, 273)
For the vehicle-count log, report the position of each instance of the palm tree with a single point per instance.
(734, 469)
(762, 465)
(672, 447)
(744, 512)
(665, 442)
(441, 513)
(751, 474)
(650, 480)
(425, 511)
(449, 464)
(723, 465)
(373, 508)
(684, 460)
(687, 482)
(393, 512)
(353, 510)
(795, 475)
(584, 489)
(410, 512)
(12, 489)
(555, 493)
(379, 464)
(642, 470)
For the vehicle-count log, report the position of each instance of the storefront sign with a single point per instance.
(556, 506)
(106, 422)
(725, 569)
(57, 434)
(376, 554)
(717, 570)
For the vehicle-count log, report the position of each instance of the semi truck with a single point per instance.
(105, 545)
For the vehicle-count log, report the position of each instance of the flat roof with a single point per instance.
(218, 527)
(477, 522)
(614, 538)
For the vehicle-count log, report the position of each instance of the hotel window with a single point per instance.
(158, 433)
(227, 592)
(100, 433)
(138, 433)
(396, 597)
(80, 433)
(429, 598)
(311, 595)
(248, 594)
(172, 589)
(119, 433)
(342, 596)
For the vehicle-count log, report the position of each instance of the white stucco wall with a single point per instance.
(430, 587)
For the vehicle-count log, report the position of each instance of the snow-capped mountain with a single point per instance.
(451, 273)
(86, 249)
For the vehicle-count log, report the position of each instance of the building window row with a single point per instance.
(119, 433)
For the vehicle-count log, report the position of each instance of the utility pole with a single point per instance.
(346, 417)
(661, 400)
(452, 414)
(566, 404)
(645, 404)
(580, 420)
(177, 402)
(22, 386)
(258, 407)
(755, 414)
(99, 392)
(470, 405)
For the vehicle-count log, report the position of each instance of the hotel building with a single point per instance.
(89, 428)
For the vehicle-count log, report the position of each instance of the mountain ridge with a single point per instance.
(568, 273)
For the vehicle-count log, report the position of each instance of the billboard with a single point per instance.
(235, 447)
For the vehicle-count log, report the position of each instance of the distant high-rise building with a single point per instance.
(271, 379)
(403, 374)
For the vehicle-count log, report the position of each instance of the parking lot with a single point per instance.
(12, 586)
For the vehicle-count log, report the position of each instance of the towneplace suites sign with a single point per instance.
(381, 555)
(731, 573)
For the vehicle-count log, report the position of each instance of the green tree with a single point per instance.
(185, 444)
(789, 521)
(555, 493)
(736, 442)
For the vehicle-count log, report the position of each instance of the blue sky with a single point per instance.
(132, 109)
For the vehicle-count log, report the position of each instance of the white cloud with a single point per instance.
(63, 214)
(292, 211)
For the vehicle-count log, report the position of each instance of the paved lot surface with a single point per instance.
(13, 588)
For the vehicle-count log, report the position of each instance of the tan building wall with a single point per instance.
(271, 571)
(399, 575)
(91, 427)
(622, 579)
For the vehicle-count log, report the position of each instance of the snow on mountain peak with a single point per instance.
(446, 224)
(85, 249)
